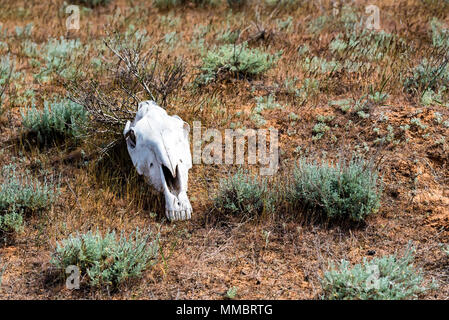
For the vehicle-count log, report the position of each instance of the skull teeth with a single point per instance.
(174, 215)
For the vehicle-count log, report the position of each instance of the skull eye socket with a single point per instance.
(131, 138)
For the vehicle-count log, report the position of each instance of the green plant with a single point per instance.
(416, 122)
(21, 194)
(365, 45)
(320, 128)
(235, 61)
(318, 65)
(59, 57)
(385, 278)
(378, 97)
(243, 195)
(440, 35)
(445, 249)
(11, 223)
(428, 75)
(166, 4)
(228, 35)
(24, 32)
(340, 191)
(60, 118)
(107, 260)
(7, 74)
(231, 293)
(94, 3)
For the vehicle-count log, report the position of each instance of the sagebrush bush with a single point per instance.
(11, 223)
(94, 3)
(440, 35)
(235, 61)
(385, 278)
(166, 4)
(106, 260)
(58, 57)
(343, 191)
(243, 195)
(21, 194)
(6, 70)
(7, 74)
(59, 118)
(428, 75)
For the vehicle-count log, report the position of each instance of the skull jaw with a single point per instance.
(177, 207)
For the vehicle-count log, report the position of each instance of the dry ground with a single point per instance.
(208, 255)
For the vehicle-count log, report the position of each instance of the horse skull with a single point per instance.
(158, 145)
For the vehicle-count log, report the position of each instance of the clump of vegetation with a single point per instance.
(235, 61)
(59, 58)
(320, 128)
(263, 103)
(94, 3)
(385, 278)
(60, 118)
(21, 194)
(11, 223)
(445, 249)
(318, 65)
(440, 35)
(428, 75)
(106, 260)
(166, 4)
(378, 97)
(243, 195)
(366, 45)
(7, 74)
(344, 191)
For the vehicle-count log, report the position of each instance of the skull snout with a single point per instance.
(177, 204)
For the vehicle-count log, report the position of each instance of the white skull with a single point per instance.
(159, 148)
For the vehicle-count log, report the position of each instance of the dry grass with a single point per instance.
(208, 255)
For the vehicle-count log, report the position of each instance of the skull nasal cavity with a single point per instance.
(173, 183)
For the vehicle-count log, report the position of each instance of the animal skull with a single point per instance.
(159, 148)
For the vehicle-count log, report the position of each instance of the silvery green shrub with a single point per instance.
(342, 191)
(58, 57)
(106, 260)
(59, 118)
(166, 4)
(243, 195)
(94, 3)
(7, 74)
(428, 75)
(385, 278)
(11, 223)
(440, 35)
(20, 193)
(235, 61)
